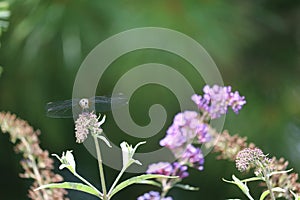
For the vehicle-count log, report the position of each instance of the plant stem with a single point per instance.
(266, 175)
(35, 168)
(88, 183)
(165, 188)
(116, 180)
(102, 178)
(249, 196)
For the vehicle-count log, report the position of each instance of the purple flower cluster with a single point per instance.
(217, 99)
(193, 157)
(168, 169)
(202, 133)
(153, 195)
(186, 126)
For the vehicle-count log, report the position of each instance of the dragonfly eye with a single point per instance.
(84, 103)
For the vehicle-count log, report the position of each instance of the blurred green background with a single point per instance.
(255, 44)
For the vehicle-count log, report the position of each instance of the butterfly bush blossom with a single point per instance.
(153, 195)
(185, 128)
(191, 128)
(193, 157)
(252, 158)
(168, 169)
(87, 123)
(216, 100)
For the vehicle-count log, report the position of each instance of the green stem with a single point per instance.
(102, 178)
(249, 196)
(268, 184)
(165, 188)
(266, 175)
(88, 183)
(117, 180)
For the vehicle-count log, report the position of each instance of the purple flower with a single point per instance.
(153, 195)
(180, 170)
(202, 133)
(163, 168)
(236, 101)
(201, 102)
(175, 138)
(168, 169)
(186, 126)
(193, 157)
(216, 99)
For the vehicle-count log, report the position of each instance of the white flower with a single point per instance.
(128, 152)
(67, 161)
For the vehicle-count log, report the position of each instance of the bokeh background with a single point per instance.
(255, 44)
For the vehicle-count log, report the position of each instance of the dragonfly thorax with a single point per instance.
(84, 103)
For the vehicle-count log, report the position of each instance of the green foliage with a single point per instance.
(136, 180)
(4, 15)
(186, 187)
(72, 186)
(142, 179)
(243, 186)
(267, 192)
(68, 161)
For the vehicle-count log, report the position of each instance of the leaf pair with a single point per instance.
(67, 161)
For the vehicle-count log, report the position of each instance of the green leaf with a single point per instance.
(264, 195)
(72, 186)
(1, 70)
(104, 140)
(252, 179)
(150, 182)
(246, 180)
(137, 180)
(241, 185)
(186, 187)
(267, 192)
(280, 172)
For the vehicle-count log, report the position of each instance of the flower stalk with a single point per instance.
(37, 164)
(100, 166)
(34, 166)
(267, 180)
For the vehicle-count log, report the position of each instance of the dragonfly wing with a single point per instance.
(103, 104)
(60, 109)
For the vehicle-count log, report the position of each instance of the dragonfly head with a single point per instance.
(84, 103)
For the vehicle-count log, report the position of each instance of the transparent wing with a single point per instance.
(66, 109)
(61, 109)
(103, 103)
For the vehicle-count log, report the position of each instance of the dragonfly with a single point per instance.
(67, 108)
